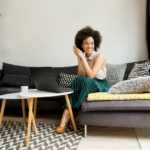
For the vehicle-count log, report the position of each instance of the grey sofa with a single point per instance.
(112, 113)
(132, 113)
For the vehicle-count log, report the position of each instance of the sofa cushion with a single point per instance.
(130, 67)
(15, 69)
(7, 90)
(136, 85)
(105, 96)
(15, 80)
(18, 70)
(67, 70)
(115, 105)
(66, 80)
(140, 70)
(115, 73)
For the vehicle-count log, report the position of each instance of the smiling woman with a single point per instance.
(91, 71)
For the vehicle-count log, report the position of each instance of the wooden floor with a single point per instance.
(100, 138)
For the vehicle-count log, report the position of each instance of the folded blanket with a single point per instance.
(104, 96)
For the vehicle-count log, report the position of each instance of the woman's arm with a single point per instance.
(98, 63)
(80, 68)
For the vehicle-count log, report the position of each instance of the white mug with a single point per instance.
(24, 88)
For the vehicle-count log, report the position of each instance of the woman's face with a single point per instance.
(88, 46)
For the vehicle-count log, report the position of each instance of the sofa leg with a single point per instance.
(85, 131)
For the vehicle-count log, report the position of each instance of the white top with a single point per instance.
(102, 72)
(36, 93)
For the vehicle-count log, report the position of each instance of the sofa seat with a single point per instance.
(133, 114)
(132, 105)
(7, 90)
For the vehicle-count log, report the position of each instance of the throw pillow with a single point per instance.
(15, 80)
(16, 70)
(66, 80)
(115, 73)
(133, 86)
(66, 70)
(130, 67)
(139, 70)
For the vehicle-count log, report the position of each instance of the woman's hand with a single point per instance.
(78, 52)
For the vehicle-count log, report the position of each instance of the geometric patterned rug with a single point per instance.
(13, 137)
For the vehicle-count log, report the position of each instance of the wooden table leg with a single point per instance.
(2, 110)
(23, 111)
(30, 117)
(71, 113)
(33, 121)
(35, 107)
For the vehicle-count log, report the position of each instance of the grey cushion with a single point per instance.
(130, 67)
(140, 70)
(136, 85)
(115, 73)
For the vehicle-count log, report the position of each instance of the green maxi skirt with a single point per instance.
(84, 86)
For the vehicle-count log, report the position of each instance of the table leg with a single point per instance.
(30, 117)
(33, 120)
(2, 110)
(35, 107)
(23, 111)
(71, 113)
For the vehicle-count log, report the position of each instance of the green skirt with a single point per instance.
(84, 86)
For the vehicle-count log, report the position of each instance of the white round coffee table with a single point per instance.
(31, 95)
(34, 94)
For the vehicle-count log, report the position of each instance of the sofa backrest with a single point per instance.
(16, 76)
(115, 72)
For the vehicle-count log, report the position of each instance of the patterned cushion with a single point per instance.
(140, 70)
(115, 73)
(133, 86)
(66, 80)
(130, 67)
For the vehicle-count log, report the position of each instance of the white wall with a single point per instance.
(41, 32)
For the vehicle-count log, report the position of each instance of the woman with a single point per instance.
(91, 71)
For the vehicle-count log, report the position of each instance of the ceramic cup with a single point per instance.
(24, 88)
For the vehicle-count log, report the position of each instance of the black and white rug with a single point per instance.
(13, 137)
